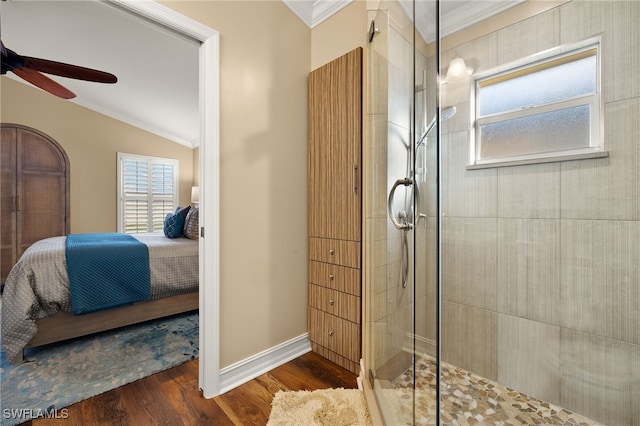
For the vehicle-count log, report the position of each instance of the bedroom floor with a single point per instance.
(470, 399)
(172, 397)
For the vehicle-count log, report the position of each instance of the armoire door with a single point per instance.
(8, 209)
(35, 191)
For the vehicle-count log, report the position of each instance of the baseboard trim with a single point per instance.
(250, 368)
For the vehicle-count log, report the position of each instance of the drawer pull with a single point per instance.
(331, 333)
(332, 252)
(331, 277)
(331, 302)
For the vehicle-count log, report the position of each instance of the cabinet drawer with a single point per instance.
(341, 278)
(336, 334)
(340, 304)
(338, 252)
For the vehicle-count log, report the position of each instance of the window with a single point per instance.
(546, 109)
(147, 191)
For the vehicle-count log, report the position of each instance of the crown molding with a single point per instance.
(474, 12)
(313, 12)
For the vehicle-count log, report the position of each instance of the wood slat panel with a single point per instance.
(335, 303)
(337, 252)
(334, 333)
(335, 144)
(346, 280)
(335, 207)
(343, 362)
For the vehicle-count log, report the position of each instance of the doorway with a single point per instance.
(209, 365)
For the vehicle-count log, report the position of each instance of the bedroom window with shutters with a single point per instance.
(147, 191)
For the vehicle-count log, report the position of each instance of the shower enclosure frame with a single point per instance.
(415, 132)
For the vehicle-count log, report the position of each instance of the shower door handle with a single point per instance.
(405, 182)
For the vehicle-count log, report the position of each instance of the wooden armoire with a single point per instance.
(335, 210)
(35, 191)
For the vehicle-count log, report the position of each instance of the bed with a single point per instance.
(36, 302)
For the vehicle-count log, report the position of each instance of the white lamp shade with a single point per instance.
(195, 194)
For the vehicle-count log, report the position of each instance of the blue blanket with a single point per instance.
(106, 270)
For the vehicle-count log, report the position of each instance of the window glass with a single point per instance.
(548, 108)
(540, 133)
(564, 81)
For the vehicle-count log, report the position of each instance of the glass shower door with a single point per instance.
(425, 373)
(401, 219)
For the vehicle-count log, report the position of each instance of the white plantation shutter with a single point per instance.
(147, 191)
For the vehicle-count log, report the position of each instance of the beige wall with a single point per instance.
(339, 34)
(196, 166)
(91, 141)
(264, 65)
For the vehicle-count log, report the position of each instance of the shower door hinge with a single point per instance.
(202, 231)
(373, 30)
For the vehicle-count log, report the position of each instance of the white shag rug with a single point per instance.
(335, 407)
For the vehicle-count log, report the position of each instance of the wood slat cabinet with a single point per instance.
(335, 210)
(35, 191)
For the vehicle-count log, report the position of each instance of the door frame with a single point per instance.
(209, 254)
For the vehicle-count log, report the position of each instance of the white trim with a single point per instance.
(313, 13)
(302, 9)
(540, 57)
(209, 365)
(161, 14)
(454, 18)
(250, 368)
(473, 12)
(325, 9)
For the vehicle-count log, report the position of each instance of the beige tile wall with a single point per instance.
(541, 275)
(470, 338)
(529, 269)
(529, 355)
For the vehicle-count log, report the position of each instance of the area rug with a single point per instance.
(60, 374)
(330, 407)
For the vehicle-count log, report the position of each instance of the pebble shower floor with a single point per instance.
(468, 399)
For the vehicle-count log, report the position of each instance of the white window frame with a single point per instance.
(150, 160)
(529, 64)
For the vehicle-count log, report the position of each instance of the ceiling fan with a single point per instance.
(31, 69)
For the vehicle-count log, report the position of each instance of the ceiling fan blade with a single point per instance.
(44, 82)
(68, 70)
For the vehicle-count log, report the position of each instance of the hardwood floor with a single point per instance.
(172, 397)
